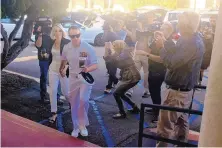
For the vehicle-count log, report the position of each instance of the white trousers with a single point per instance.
(79, 95)
(54, 79)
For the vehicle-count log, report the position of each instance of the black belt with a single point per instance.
(178, 89)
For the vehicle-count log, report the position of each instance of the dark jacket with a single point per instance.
(47, 44)
(64, 41)
(127, 66)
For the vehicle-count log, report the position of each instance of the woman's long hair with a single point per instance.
(52, 35)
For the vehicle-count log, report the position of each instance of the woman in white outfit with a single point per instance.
(58, 42)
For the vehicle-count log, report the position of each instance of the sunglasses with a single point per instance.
(74, 36)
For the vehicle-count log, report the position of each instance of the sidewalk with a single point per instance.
(20, 96)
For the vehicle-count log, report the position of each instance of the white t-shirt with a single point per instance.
(84, 52)
(56, 60)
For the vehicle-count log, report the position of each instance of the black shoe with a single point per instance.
(155, 119)
(60, 102)
(146, 95)
(128, 95)
(44, 101)
(53, 118)
(134, 110)
(119, 116)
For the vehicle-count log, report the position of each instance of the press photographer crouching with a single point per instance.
(157, 70)
(129, 76)
(183, 66)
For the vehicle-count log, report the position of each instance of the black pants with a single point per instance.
(112, 75)
(155, 81)
(119, 94)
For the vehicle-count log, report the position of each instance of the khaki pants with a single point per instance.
(141, 61)
(174, 125)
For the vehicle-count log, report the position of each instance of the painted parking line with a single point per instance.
(106, 135)
(205, 77)
(23, 59)
(137, 116)
(200, 108)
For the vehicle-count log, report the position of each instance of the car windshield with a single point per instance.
(173, 16)
(206, 16)
(69, 24)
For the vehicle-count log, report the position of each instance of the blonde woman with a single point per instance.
(129, 76)
(58, 42)
(116, 46)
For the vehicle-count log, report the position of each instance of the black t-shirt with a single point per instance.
(156, 67)
(47, 43)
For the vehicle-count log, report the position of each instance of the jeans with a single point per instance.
(44, 67)
(119, 94)
(155, 81)
(112, 75)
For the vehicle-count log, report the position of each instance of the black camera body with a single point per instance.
(45, 23)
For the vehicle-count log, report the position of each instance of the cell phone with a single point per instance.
(82, 59)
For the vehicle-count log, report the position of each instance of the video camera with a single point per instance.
(45, 23)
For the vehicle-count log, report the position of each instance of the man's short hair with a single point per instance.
(73, 28)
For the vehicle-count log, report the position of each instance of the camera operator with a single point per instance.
(183, 66)
(43, 44)
(144, 23)
(157, 69)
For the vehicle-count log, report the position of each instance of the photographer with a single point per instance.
(183, 66)
(157, 69)
(142, 35)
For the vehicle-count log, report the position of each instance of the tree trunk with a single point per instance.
(6, 44)
(15, 30)
(20, 45)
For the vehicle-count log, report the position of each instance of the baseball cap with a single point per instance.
(86, 78)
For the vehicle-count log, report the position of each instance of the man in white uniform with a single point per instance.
(81, 57)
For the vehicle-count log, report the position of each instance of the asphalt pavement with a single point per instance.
(104, 130)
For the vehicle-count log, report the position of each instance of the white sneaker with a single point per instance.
(84, 132)
(75, 133)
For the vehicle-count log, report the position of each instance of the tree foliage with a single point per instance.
(15, 9)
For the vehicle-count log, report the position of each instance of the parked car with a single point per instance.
(172, 15)
(9, 26)
(205, 16)
(91, 35)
